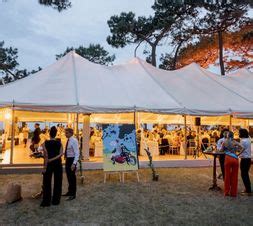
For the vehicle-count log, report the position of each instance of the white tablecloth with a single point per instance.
(153, 148)
(98, 149)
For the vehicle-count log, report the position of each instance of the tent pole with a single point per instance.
(12, 134)
(77, 126)
(230, 122)
(185, 138)
(86, 137)
(135, 119)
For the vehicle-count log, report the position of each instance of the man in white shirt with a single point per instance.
(71, 156)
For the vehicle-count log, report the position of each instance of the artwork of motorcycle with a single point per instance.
(124, 156)
(119, 147)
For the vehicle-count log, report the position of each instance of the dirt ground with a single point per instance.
(180, 197)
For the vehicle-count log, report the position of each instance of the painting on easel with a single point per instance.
(119, 151)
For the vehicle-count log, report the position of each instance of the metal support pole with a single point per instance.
(230, 122)
(12, 134)
(185, 138)
(77, 126)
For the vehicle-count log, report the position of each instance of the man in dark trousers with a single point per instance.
(71, 156)
(36, 136)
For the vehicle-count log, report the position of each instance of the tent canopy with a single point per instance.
(73, 84)
(201, 92)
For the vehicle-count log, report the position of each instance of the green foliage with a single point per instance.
(94, 53)
(9, 66)
(59, 5)
(127, 29)
(204, 51)
(8, 58)
(56, 4)
(223, 16)
(218, 17)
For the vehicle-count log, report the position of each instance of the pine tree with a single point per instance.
(94, 53)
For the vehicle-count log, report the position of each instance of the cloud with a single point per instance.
(41, 32)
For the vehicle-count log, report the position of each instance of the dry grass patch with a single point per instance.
(180, 197)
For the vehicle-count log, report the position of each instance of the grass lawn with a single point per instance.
(180, 197)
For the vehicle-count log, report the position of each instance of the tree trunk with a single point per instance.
(222, 69)
(153, 55)
(174, 66)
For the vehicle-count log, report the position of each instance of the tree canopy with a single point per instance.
(9, 65)
(56, 4)
(94, 53)
(126, 28)
(183, 22)
(238, 51)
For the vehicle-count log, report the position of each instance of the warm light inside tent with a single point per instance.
(7, 114)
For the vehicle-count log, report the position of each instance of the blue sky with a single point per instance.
(40, 32)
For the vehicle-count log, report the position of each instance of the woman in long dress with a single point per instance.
(53, 152)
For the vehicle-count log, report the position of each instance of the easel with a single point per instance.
(111, 172)
(121, 175)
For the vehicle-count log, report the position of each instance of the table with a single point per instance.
(214, 186)
(152, 145)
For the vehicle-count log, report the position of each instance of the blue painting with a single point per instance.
(119, 147)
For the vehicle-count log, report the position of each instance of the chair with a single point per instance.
(174, 149)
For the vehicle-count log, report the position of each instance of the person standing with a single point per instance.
(36, 137)
(222, 156)
(53, 152)
(25, 131)
(71, 156)
(245, 163)
(230, 147)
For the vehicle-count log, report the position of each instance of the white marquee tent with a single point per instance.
(204, 93)
(73, 84)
